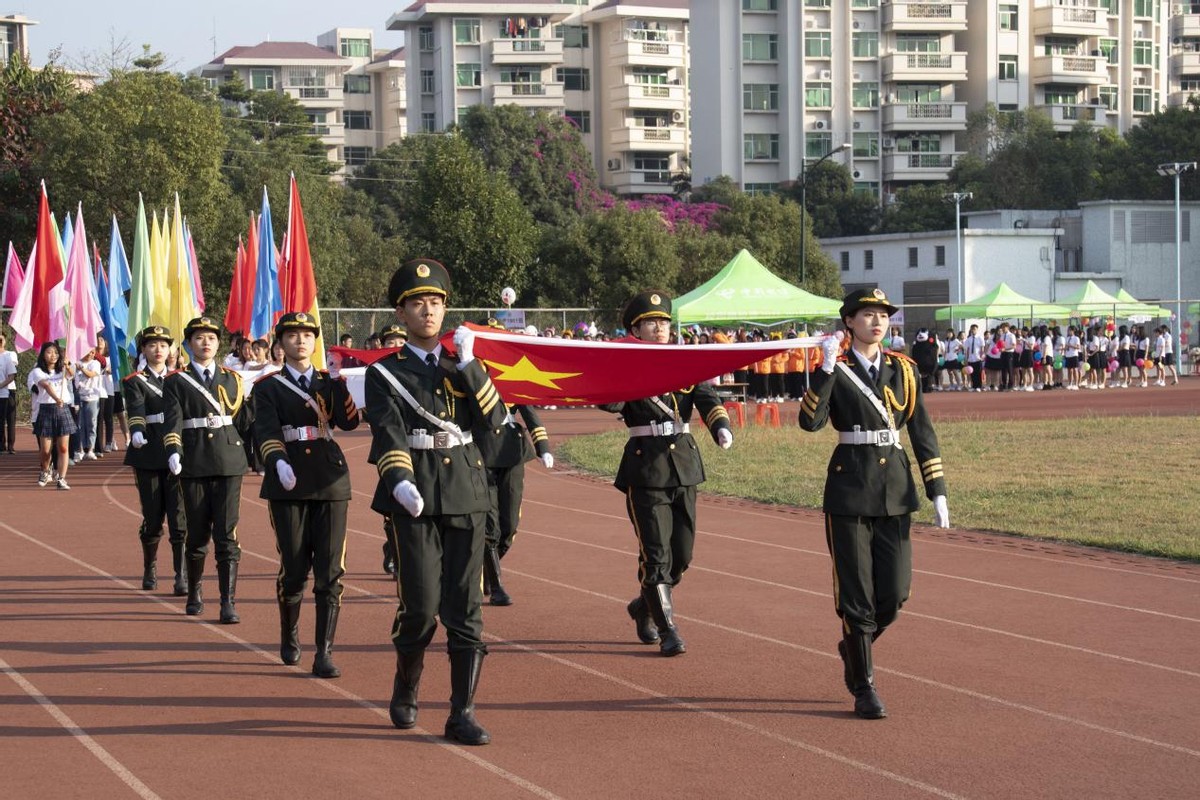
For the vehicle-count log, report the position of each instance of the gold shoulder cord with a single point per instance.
(908, 403)
(451, 394)
(224, 396)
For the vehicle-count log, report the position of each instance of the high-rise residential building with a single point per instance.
(14, 38)
(617, 68)
(353, 95)
(789, 81)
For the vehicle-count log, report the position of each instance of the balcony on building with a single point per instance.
(526, 51)
(1069, 69)
(918, 166)
(1186, 25)
(924, 116)
(656, 96)
(1064, 116)
(331, 134)
(1181, 98)
(635, 181)
(915, 16)
(527, 95)
(315, 96)
(936, 67)
(1082, 19)
(647, 47)
(1185, 63)
(634, 136)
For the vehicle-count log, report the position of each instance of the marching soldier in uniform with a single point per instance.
(659, 472)
(158, 490)
(423, 404)
(505, 450)
(391, 336)
(869, 394)
(206, 419)
(307, 483)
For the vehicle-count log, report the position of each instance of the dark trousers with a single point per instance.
(211, 506)
(1007, 360)
(664, 521)
(161, 500)
(104, 423)
(310, 535)
(506, 486)
(872, 567)
(8, 420)
(440, 563)
(976, 374)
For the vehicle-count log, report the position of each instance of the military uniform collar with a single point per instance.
(421, 354)
(867, 363)
(295, 373)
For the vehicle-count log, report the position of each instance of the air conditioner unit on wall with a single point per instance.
(614, 164)
(857, 24)
(857, 125)
(826, 74)
(810, 23)
(677, 116)
(858, 76)
(819, 124)
(889, 143)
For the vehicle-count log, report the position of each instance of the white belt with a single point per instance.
(306, 433)
(880, 438)
(207, 422)
(659, 429)
(154, 418)
(438, 440)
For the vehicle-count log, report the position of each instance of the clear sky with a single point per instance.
(184, 29)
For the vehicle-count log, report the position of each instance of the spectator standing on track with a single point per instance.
(159, 493)
(423, 404)
(868, 394)
(953, 348)
(88, 377)
(8, 397)
(1124, 356)
(307, 485)
(897, 343)
(53, 425)
(973, 346)
(1165, 353)
(1142, 355)
(205, 420)
(1071, 347)
(659, 472)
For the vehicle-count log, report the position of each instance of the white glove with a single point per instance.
(406, 494)
(137, 440)
(287, 476)
(335, 366)
(464, 343)
(548, 460)
(725, 438)
(174, 464)
(831, 347)
(941, 511)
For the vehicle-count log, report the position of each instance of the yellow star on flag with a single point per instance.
(526, 371)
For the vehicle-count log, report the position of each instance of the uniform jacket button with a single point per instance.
(308, 451)
(672, 447)
(637, 452)
(445, 460)
(442, 414)
(882, 461)
(479, 462)
(210, 436)
(837, 468)
(437, 392)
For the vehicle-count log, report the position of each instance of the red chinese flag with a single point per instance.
(48, 272)
(234, 312)
(297, 284)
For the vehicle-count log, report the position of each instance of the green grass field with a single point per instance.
(1123, 483)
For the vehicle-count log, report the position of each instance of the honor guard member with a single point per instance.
(423, 405)
(206, 419)
(158, 490)
(659, 472)
(391, 336)
(307, 484)
(505, 450)
(869, 394)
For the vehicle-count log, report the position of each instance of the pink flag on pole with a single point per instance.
(14, 276)
(84, 322)
(20, 319)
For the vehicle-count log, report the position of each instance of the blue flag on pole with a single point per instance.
(267, 298)
(120, 280)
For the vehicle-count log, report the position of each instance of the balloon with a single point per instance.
(968, 369)
(941, 361)
(1087, 367)
(1141, 362)
(887, 341)
(1058, 362)
(1113, 365)
(1187, 324)
(1037, 366)
(508, 295)
(1037, 355)
(1085, 320)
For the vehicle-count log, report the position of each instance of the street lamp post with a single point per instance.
(804, 203)
(1175, 169)
(957, 198)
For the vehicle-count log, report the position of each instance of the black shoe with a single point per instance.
(658, 601)
(327, 617)
(462, 726)
(862, 679)
(289, 630)
(491, 577)
(403, 708)
(227, 582)
(389, 566)
(149, 566)
(195, 597)
(181, 584)
(640, 614)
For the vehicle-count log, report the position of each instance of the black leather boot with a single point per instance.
(327, 617)
(464, 679)
(403, 708)
(181, 582)
(227, 582)
(389, 548)
(862, 679)
(639, 612)
(841, 648)
(491, 578)
(289, 630)
(195, 578)
(149, 566)
(658, 601)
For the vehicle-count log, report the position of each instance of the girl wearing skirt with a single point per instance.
(54, 424)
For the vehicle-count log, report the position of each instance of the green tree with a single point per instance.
(1172, 134)
(920, 207)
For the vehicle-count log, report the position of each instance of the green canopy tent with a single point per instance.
(1092, 301)
(1133, 309)
(745, 291)
(1002, 302)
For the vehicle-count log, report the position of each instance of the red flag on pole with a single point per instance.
(237, 292)
(48, 272)
(297, 283)
(250, 277)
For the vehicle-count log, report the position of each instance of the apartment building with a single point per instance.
(353, 95)
(788, 81)
(1183, 62)
(14, 36)
(617, 69)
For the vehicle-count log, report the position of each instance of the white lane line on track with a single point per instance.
(103, 756)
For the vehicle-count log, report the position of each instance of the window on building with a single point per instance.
(761, 188)
(428, 122)
(7, 46)
(760, 97)
(355, 48)
(1143, 52)
(318, 121)
(939, 255)
(866, 144)
(1008, 68)
(572, 35)
(818, 44)
(918, 43)
(427, 81)
(912, 258)
(1110, 51)
(1008, 17)
(1143, 101)
(868, 259)
(759, 5)
(865, 94)
(864, 44)
(655, 167)
(1060, 46)
(524, 76)
(653, 76)
(262, 80)
(356, 84)
(817, 3)
(468, 75)
(582, 119)
(357, 156)
(425, 39)
(757, 146)
(1144, 8)
(818, 94)
(1007, 108)
(845, 260)
(574, 78)
(1109, 98)
(466, 31)
(817, 145)
(1060, 95)
(760, 47)
(919, 93)
(357, 120)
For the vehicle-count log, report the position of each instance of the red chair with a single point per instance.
(766, 414)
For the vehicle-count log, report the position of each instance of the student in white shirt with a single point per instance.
(1071, 348)
(1165, 350)
(8, 397)
(87, 383)
(1142, 357)
(973, 347)
(54, 424)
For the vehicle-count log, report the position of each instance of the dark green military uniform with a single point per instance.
(205, 426)
(294, 415)
(505, 450)
(440, 552)
(869, 489)
(659, 472)
(158, 490)
(397, 336)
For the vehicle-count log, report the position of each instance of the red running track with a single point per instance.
(1018, 669)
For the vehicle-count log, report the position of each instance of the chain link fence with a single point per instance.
(362, 322)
